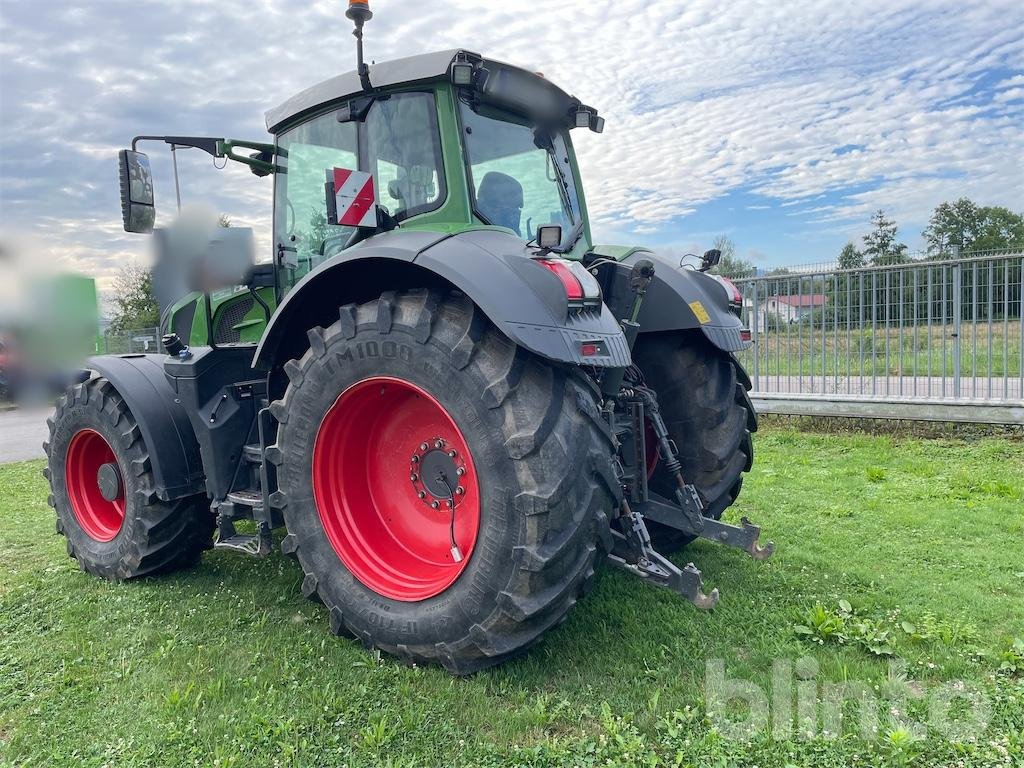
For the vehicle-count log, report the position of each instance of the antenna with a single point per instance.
(360, 13)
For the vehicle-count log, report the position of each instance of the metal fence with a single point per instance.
(917, 339)
(136, 341)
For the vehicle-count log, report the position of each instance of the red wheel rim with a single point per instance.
(385, 521)
(100, 518)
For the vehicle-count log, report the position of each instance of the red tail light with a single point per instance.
(561, 270)
(735, 296)
(581, 287)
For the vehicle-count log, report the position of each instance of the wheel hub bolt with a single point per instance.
(452, 454)
(434, 505)
(460, 490)
(415, 459)
(414, 477)
(460, 471)
(421, 494)
(439, 444)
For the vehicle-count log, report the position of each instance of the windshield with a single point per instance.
(521, 177)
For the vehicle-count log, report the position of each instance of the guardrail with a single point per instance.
(934, 340)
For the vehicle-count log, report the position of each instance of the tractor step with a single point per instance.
(245, 543)
(253, 453)
(254, 545)
(252, 499)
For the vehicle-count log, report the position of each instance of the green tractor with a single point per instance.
(454, 403)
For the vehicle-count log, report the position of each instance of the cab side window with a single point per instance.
(398, 142)
(403, 152)
(300, 205)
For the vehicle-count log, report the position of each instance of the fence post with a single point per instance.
(753, 322)
(957, 312)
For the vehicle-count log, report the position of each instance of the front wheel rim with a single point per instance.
(88, 455)
(377, 459)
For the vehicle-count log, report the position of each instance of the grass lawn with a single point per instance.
(887, 549)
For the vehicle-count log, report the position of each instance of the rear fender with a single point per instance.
(494, 269)
(163, 422)
(677, 299)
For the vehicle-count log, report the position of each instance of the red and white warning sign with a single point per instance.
(355, 198)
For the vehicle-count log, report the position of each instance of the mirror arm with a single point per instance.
(217, 147)
(257, 162)
(205, 143)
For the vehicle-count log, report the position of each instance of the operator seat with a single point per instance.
(500, 200)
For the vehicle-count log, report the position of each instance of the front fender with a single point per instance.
(677, 299)
(493, 268)
(164, 424)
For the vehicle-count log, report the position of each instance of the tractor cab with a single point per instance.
(451, 140)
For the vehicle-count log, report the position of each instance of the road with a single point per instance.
(22, 433)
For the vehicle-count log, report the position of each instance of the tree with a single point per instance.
(969, 227)
(850, 257)
(784, 285)
(880, 244)
(1000, 228)
(731, 265)
(135, 304)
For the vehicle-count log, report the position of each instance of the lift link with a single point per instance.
(686, 495)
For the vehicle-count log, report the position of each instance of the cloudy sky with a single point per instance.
(782, 125)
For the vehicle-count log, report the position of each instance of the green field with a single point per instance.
(887, 548)
(804, 349)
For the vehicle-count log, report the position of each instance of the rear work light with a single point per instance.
(581, 288)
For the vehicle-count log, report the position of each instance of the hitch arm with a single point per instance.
(632, 552)
(745, 536)
(662, 572)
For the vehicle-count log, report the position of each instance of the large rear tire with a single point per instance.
(102, 489)
(702, 393)
(393, 388)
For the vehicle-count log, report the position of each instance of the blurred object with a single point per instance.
(49, 323)
(4, 357)
(200, 252)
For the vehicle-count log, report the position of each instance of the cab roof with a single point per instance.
(411, 69)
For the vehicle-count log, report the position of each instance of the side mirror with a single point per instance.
(136, 177)
(710, 259)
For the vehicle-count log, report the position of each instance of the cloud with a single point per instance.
(834, 109)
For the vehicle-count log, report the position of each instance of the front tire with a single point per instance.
(702, 393)
(367, 405)
(102, 489)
